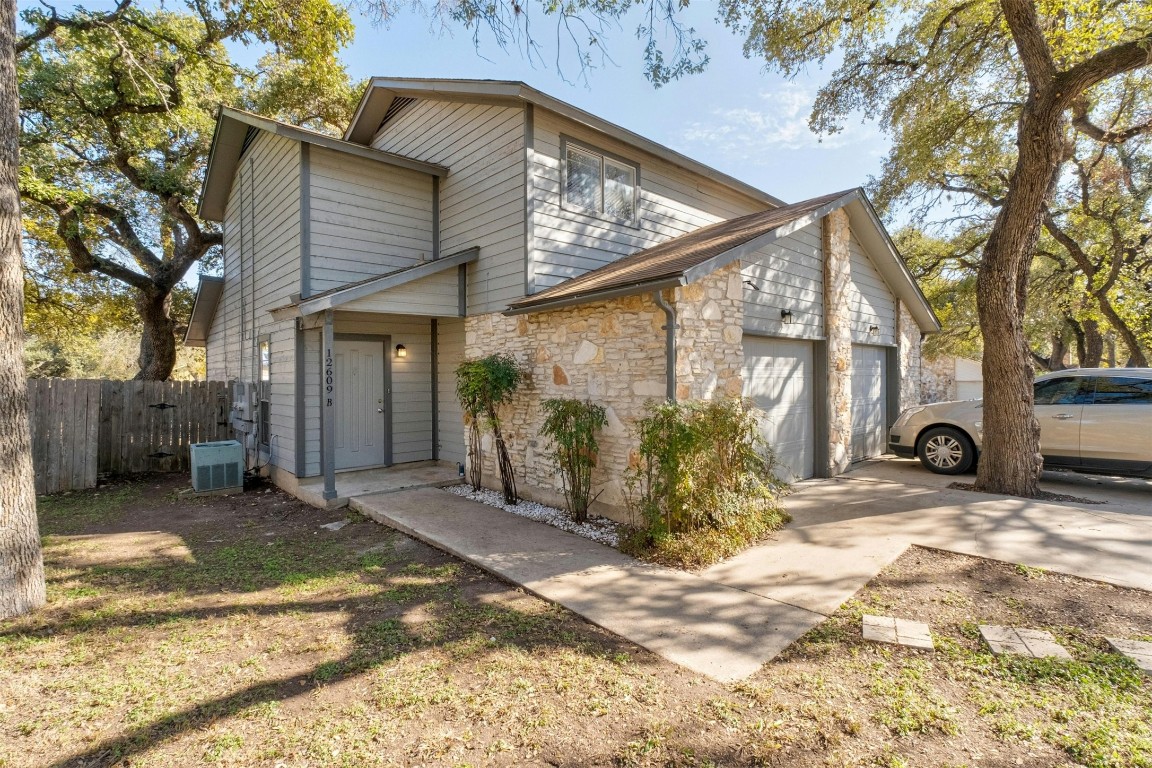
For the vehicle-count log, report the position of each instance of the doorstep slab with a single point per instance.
(1031, 643)
(1139, 651)
(886, 629)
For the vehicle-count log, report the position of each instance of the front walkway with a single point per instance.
(711, 628)
(735, 616)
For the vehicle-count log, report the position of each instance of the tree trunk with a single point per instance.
(21, 564)
(1136, 356)
(1010, 461)
(1093, 351)
(158, 335)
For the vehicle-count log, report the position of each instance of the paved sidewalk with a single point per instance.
(733, 617)
(719, 631)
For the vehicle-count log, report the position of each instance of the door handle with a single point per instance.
(1062, 416)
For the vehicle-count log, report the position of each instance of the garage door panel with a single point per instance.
(778, 378)
(869, 417)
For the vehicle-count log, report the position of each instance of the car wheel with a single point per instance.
(946, 451)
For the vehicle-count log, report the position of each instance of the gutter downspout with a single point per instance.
(669, 343)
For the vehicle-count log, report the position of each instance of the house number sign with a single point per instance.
(329, 376)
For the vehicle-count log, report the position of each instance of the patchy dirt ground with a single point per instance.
(236, 631)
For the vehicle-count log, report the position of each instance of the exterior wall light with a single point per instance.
(873, 330)
(401, 350)
(786, 316)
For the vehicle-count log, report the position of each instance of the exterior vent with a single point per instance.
(217, 466)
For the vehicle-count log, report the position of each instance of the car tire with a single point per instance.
(946, 451)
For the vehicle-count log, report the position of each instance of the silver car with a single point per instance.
(1091, 420)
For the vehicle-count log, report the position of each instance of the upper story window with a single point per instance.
(600, 184)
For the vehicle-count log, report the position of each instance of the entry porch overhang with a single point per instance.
(436, 288)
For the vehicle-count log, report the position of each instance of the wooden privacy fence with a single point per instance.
(83, 427)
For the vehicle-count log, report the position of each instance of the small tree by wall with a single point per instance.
(482, 386)
(572, 426)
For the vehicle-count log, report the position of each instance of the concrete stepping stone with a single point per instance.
(885, 629)
(1032, 643)
(1137, 650)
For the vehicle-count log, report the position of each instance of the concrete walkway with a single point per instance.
(717, 630)
(730, 619)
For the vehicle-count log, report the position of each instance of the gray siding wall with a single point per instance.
(434, 296)
(790, 275)
(482, 198)
(566, 243)
(261, 269)
(450, 352)
(870, 300)
(411, 384)
(366, 218)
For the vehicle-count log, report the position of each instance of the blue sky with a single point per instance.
(734, 116)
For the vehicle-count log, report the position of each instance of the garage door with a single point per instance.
(778, 378)
(869, 422)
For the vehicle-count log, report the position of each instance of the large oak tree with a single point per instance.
(117, 113)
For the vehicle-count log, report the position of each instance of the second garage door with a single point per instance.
(778, 377)
(869, 422)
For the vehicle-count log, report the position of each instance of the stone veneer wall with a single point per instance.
(938, 380)
(908, 338)
(837, 278)
(611, 353)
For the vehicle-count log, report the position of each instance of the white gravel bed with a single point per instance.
(598, 529)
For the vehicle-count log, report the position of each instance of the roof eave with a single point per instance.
(203, 310)
(590, 297)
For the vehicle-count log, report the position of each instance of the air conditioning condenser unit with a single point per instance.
(217, 466)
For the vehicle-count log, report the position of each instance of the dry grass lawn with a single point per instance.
(234, 631)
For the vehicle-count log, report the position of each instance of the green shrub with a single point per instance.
(572, 425)
(703, 488)
(482, 386)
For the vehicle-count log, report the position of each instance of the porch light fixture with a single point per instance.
(786, 316)
(401, 350)
(873, 330)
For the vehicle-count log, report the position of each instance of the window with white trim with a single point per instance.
(600, 184)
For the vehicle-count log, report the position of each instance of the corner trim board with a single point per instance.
(305, 220)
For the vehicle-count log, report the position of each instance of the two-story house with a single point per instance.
(457, 218)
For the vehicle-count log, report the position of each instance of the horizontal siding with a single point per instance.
(365, 218)
(450, 353)
(789, 274)
(870, 300)
(482, 198)
(261, 270)
(433, 296)
(568, 243)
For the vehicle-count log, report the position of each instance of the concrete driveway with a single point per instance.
(846, 529)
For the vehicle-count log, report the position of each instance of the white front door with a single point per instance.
(778, 377)
(869, 398)
(362, 418)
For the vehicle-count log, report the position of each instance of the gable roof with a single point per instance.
(375, 105)
(686, 258)
(231, 138)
